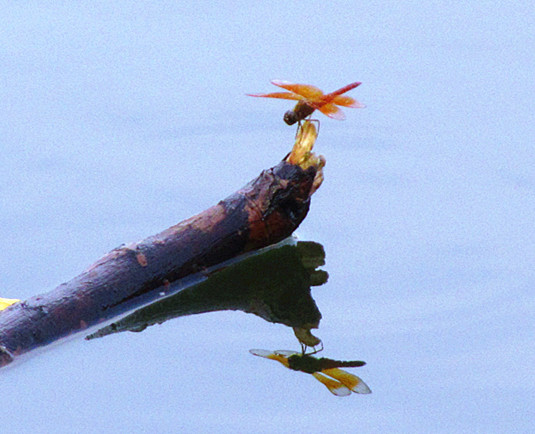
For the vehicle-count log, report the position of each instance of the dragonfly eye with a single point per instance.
(290, 117)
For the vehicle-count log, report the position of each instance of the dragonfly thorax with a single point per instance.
(300, 112)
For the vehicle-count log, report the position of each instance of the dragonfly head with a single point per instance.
(290, 117)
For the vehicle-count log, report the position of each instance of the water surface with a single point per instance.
(121, 120)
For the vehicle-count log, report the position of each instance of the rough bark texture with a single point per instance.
(274, 284)
(265, 211)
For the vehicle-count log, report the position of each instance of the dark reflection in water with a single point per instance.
(326, 371)
(274, 284)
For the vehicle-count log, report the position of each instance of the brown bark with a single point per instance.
(265, 211)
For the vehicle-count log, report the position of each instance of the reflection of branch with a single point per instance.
(264, 212)
(274, 285)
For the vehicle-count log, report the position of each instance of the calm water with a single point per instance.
(119, 121)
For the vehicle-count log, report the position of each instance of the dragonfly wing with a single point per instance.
(286, 353)
(272, 355)
(351, 381)
(335, 387)
(279, 95)
(261, 353)
(345, 89)
(332, 111)
(347, 101)
(307, 91)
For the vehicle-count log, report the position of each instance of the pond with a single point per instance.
(122, 120)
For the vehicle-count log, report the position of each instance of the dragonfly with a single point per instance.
(309, 98)
(326, 371)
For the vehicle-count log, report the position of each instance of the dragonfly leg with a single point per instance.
(304, 348)
(320, 345)
(317, 121)
(308, 119)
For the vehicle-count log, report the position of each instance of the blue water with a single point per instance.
(120, 120)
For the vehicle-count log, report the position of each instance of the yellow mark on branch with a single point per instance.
(304, 335)
(301, 154)
(6, 302)
(318, 179)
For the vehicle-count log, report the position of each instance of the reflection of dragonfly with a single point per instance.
(311, 98)
(341, 383)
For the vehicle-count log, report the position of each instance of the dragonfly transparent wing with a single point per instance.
(351, 381)
(335, 387)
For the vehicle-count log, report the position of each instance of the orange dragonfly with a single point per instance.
(310, 98)
(340, 383)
